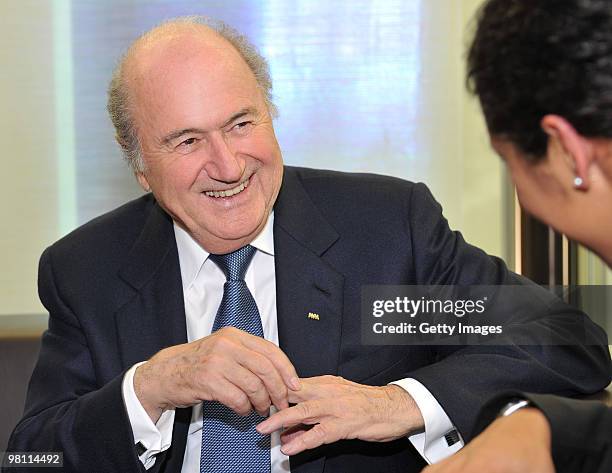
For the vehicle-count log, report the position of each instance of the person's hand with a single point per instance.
(330, 408)
(240, 370)
(518, 443)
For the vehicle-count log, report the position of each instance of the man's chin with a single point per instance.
(229, 239)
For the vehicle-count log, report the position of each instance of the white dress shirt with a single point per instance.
(202, 290)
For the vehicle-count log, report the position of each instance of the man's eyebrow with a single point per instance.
(240, 114)
(173, 135)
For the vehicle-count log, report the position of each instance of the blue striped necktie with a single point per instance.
(230, 442)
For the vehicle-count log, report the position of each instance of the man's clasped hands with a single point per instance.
(246, 373)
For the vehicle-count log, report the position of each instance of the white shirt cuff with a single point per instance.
(155, 438)
(431, 444)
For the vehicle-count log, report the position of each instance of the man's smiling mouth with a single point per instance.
(229, 192)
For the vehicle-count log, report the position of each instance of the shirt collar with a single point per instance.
(192, 256)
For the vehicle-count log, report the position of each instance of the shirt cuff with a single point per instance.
(154, 438)
(433, 443)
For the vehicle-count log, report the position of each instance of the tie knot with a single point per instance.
(234, 265)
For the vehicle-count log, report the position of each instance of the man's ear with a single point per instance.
(579, 150)
(142, 180)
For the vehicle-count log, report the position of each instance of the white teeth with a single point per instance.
(229, 192)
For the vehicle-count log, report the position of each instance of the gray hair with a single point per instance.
(118, 95)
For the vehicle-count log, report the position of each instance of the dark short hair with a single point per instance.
(530, 58)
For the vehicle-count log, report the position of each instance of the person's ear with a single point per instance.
(562, 134)
(142, 180)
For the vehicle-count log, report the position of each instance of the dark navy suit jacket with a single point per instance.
(113, 291)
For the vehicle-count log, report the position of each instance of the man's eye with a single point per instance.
(242, 125)
(189, 142)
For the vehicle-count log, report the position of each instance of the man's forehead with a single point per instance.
(190, 58)
(186, 78)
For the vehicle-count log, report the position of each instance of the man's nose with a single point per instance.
(224, 165)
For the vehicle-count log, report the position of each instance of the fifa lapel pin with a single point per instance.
(313, 316)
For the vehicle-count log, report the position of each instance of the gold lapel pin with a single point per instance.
(313, 316)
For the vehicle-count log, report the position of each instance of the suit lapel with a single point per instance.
(155, 317)
(308, 290)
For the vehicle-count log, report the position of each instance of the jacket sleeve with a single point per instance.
(581, 431)
(67, 410)
(463, 377)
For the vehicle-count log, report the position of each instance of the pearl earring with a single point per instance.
(577, 181)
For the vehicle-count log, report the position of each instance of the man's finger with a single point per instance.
(321, 387)
(276, 356)
(266, 371)
(231, 396)
(252, 386)
(308, 412)
(291, 433)
(308, 392)
(320, 434)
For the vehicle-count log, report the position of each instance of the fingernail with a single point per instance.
(262, 428)
(295, 384)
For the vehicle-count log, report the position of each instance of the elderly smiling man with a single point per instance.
(178, 321)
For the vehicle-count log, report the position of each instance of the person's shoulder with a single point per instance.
(112, 232)
(352, 185)
(359, 202)
(327, 176)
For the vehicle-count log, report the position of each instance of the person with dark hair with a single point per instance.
(542, 70)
